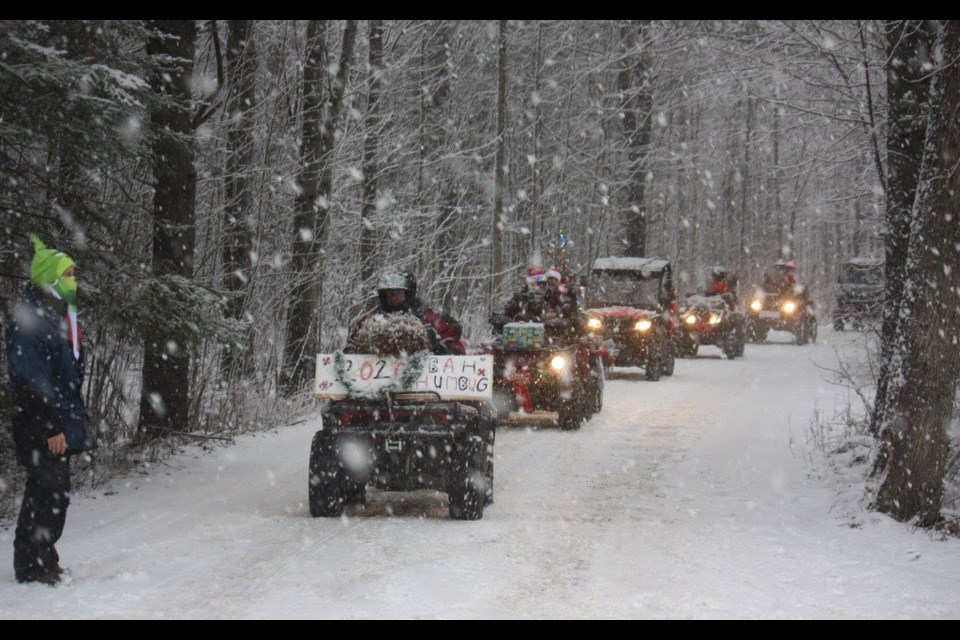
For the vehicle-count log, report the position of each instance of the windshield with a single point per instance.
(862, 275)
(627, 288)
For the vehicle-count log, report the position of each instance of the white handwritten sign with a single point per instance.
(452, 377)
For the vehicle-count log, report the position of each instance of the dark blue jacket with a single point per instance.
(46, 387)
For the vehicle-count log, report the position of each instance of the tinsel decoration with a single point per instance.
(560, 255)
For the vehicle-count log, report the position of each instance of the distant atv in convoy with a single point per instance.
(711, 320)
(546, 366)
(786, 309)
(630, 304)
(403, 424)
(860, 293)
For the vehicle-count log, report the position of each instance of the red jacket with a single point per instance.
(717, 287)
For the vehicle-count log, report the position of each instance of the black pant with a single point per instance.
(42, 515)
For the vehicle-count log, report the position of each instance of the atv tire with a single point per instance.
(490, 438)
(503, 403)
(669, 360)
(466, 488)
(655, 356)
(353, 492)
(323, 482)
(597, 398)
(729, 345)
(756, 334)
(571, 412)
(741, 340)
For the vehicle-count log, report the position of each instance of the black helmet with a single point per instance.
(536, 301)
(394, 278)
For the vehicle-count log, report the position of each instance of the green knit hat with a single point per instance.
(48, 264)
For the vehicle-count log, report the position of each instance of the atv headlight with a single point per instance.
(643, 325)
(690, 319)
(558, 362)
(756, 305)
(594, 324)
(789, 306)
(714, 319)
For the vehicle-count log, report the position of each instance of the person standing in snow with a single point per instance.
(49, 419)
(397, 293)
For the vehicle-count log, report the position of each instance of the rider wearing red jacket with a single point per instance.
(397, 293)
(718, 282)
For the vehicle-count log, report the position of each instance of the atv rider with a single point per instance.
(563, 300)
(397, 293)
(530, 304)
(535, 308)
(784, 282)
(535, 282)
(718, 282)
(783, 279)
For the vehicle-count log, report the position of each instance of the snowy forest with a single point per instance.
(230, 191)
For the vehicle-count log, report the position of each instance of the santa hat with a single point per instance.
(553, 273)
(535, 270)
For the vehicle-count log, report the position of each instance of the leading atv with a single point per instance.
(784, 304)
(546, 366)
(788, 309)
(712, 320)
(631, 306)
(401, 424)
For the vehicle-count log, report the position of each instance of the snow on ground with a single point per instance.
(697, 496)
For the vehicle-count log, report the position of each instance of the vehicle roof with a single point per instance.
(631, 264)
(865, 261)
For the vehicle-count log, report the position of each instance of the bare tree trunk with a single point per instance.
(239, 221)
(72, 188)
(164, 395)
(497, 265)
(536, 186)
(909, 45)
(312, 204)
(920, 398)
(371, 142)
(301, 326)
(634, 84)
(436, 187)
(745, 208)
(776, 172)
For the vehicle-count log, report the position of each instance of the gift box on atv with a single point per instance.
(524, 335)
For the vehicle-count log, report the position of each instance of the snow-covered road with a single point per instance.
(698, 496)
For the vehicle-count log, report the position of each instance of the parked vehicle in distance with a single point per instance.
(860, 293)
